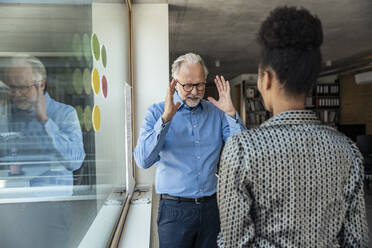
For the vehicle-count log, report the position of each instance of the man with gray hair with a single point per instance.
(50, 128)
(183, 136)
(46, 148)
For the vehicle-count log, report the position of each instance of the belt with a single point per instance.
(184, 199)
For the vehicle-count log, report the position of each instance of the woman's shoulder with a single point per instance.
(252, 135)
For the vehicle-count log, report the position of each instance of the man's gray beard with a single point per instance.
(28, 108)
(192, 104)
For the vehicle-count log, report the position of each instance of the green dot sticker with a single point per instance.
(80, 114)
(88, 118)
(77, 81)
(104, 56)
(77, 46)
(86, 48)
(86, 81)
(95, 47)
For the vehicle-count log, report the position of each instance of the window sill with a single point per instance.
(136, 232)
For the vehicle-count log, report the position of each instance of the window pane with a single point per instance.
(62, 118)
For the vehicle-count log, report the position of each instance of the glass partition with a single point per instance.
(64, 147)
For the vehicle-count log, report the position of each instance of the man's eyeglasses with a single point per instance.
(23, 88)
(190, 87)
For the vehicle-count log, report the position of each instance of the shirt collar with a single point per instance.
(176, 98)
(292, 117)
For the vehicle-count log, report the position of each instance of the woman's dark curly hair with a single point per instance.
(290, 40)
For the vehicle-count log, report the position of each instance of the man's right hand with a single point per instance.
(40, 105)
(170, 108)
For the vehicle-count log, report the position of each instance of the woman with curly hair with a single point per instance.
(292, 182)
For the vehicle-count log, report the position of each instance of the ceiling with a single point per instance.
(226, 31)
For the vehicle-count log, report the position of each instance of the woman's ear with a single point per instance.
(267, 80)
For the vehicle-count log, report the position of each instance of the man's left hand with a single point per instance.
(224, 98)
(40, 105)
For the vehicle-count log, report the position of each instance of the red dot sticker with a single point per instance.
(104, 86)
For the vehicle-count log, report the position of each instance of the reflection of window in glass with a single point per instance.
(57, 170)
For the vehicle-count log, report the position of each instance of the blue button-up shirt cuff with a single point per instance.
(160, 127)
(236, 125)
(232, 120)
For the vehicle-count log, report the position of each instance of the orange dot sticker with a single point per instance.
(95, 80)
(96, 118)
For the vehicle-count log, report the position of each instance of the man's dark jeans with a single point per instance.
(188, 224)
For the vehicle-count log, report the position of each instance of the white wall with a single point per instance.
(151, 65)
(151, 75)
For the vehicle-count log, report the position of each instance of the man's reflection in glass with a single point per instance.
(44, 147)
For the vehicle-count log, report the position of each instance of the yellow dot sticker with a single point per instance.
(96, 118)
(95, 80)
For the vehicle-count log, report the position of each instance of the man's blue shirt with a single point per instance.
(186, 149)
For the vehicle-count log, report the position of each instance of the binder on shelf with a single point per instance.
(309, 101)
(255, 112)
(252, 118)
(257, 105)
(252, 106)
(261, 104)
(258, 119)
(332, 116)
(250, 92)
(325, 99)
(263, 118)
(325, 116)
